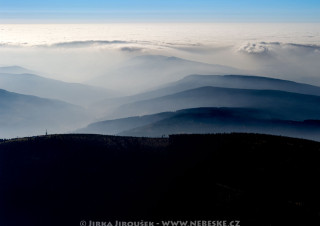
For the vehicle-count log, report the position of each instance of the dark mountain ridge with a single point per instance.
(222, 81)
(227, 120)
(286, 105)
(248, 82)
(113, 127)
(257, 179)
(206, 120)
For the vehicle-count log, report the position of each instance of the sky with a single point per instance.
(38, 11)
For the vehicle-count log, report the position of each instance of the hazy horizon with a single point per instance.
(159, 110)
(127, 48)
(82, 52)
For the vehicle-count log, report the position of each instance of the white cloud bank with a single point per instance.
(82, 52)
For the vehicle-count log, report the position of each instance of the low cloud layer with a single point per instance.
(265, 48)
(82, 44)
(80, 53)
(254, 48)
(131, 49)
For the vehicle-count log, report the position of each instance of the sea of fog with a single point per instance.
(159, 34)
(81, 52)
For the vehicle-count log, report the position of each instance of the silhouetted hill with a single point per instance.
(31, 84)
(285, 105)
(229, 81)
(64, 179)
(113, 127)
(222, 81)
(14, 70)
(244, 82)
(226, 120)
(206, 120)
(24, 115)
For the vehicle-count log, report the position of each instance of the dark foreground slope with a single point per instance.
(63, 179)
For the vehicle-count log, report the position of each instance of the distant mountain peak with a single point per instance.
(14, 70)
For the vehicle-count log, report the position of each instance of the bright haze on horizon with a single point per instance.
(78, 41)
